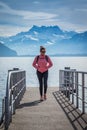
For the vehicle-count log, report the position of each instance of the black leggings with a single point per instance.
(42, 77)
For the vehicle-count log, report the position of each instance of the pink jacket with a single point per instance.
(42, 65)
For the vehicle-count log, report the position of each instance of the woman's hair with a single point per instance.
(42, 48)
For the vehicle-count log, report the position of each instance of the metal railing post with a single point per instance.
(6, 114)
(16, 86)
(60, 79)
(69, 86)
(83, 94)
(72, 81)
(7, 106)
(76, 87)
(72, 87)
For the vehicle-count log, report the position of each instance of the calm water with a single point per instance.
(25, 63)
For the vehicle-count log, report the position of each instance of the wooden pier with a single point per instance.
(35, 115)
(23, 110)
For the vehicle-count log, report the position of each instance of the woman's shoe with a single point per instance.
(41, 98)
(45, 97)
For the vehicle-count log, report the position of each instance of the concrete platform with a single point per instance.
(35, 115)
(75, 116)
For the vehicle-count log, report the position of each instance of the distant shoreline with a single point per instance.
(47, 54)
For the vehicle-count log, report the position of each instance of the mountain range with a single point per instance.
(56, 41)
(5, 51)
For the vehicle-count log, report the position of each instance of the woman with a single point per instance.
(42, 63)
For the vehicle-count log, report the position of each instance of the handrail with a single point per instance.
(71, 70)
(15, 89)
(72, 81)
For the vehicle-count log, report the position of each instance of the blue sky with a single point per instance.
(21, 15)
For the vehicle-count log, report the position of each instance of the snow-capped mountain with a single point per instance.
(5, 51)
(56, 41)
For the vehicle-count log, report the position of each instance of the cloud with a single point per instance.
(28, 15)
(6, 30)
(49, 43)
(3, 6)
(13, 20)
(36, 2)
(69, 15)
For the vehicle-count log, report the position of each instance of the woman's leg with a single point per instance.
(40, 76)
(45, 76)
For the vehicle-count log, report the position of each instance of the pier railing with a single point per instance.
(73, 84)
(15, 89)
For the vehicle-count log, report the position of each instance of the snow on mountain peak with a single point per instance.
(2, 42)
(36, 33)
(31, 37)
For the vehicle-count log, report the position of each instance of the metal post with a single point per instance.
(67, 80)
(72, 87)
(63, 82)
(3, 110)
(76, 86)
(13, 105)
(7, 105)
(6, 114)
(83, 94)
(15, 88)
(69, 86)
(61, 87)
(60, 79)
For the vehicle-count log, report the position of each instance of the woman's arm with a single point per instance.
(35, 65)
(50, 63)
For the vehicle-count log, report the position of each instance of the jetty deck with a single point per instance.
(64, 109)
(35, 115)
